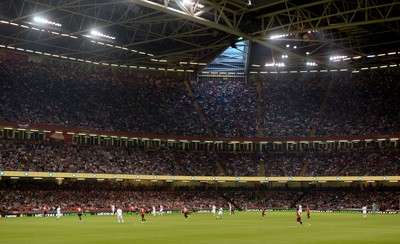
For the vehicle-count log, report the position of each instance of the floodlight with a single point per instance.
(337, 58)
(279, 36)
(99, 34)
(275, 64)
(46, 21)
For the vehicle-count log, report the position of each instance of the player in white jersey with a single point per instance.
(214, 210)
(112, 209)
(300, 210)
(364, 212)
(58, 212)
(154, 211)
(161, 210)
(219, 216)
(119, 215)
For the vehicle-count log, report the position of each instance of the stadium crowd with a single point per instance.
(362, 105)
(383, 161)
(37, 93)
(200, 163)
(237, 164)
(230, 106)
(30, 196)
(110, 100)
(291, 106)
(283, 164)
(339, 106)
(62, 156)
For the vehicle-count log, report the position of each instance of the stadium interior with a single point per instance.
(193, 103)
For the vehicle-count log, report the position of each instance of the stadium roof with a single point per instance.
(192, 33)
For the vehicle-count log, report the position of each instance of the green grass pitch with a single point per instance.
(243, 227)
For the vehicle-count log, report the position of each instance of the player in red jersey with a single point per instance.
(142, 212)
(131, 210)
(186, 213)
(299, 217)
(308, 212)
(262, 211)
(79, 212)
(231, 209)
(45, 210)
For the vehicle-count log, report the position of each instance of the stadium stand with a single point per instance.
(61, 156)
(230, 106)
(27, 196)
(54, 95)
(48, 95)
(39, 93)
(24, 196)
